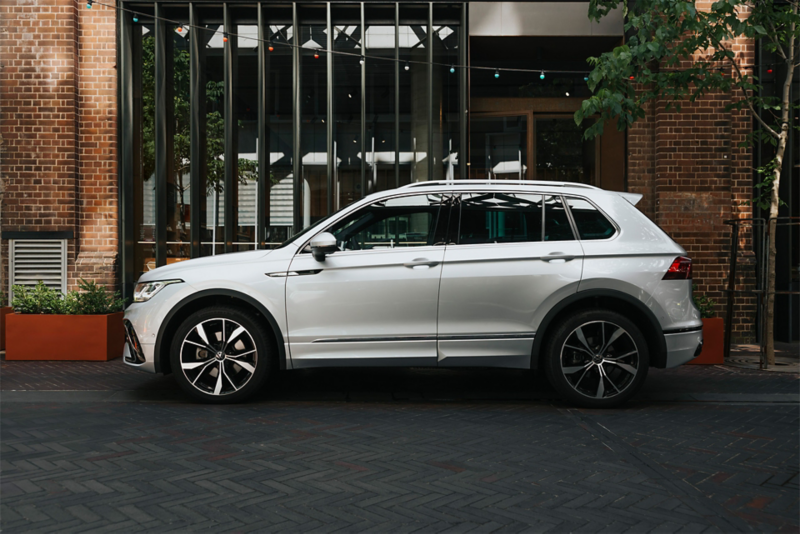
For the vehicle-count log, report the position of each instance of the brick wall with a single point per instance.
(58, 127)
(694, 176)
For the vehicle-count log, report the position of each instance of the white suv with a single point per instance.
(560, 276)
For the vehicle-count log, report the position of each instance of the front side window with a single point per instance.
(590, 222)
(409, 221)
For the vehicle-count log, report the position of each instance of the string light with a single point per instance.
(407, 66)
(180, 29)
(361, 61)
(631, 77)
(585, 78)
(769, 71)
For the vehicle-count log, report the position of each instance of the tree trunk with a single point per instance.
(775, 202)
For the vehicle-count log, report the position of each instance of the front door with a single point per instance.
(513, 255)
(374, 301)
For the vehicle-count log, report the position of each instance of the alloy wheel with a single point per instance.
(218, 356)
(599, 359)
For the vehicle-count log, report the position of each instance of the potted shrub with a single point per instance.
(4, 310)
(81, 325)
(713, 333)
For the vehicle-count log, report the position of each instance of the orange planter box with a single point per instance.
(3, 312)
(64, 337)
(713, 343)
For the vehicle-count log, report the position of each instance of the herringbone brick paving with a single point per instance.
(497, 464)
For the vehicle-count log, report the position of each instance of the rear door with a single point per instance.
(510, 253)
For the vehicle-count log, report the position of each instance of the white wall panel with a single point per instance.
(506, 19)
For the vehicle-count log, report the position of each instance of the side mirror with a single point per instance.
(323, 244)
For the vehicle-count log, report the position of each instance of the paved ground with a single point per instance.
(98, 447)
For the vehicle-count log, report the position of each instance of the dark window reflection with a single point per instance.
(347, 147)
(313, 131)
(380, 98)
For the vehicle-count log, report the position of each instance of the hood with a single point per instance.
(175, 270)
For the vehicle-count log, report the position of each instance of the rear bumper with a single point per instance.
(683, 346)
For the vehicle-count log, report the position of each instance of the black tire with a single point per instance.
(245, 362)
(591, 380)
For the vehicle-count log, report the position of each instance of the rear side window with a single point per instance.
(500, 218)
(590, 222)
(556, 222)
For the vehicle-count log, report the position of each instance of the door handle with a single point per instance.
(558, 256)
(420, 262)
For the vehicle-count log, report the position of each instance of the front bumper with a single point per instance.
(134, 353)
(683, 346)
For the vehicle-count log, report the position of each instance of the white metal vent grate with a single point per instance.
(32, 260)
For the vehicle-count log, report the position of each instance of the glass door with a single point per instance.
(500, 147)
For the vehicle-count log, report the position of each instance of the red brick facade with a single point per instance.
(58, 87)
(59, 150)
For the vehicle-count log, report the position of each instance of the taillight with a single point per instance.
(681, 269)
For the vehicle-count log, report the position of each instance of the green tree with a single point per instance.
(676, 52)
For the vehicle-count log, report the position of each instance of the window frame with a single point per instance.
(544, 195)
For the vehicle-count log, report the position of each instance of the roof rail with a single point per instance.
(437, 183)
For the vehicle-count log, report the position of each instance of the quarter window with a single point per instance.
(391, 223)
(590, 222)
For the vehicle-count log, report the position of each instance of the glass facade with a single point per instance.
(246, 128)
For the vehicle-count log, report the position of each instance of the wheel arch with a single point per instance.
(629, 306)
(205, 298)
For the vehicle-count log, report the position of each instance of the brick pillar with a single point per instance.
(98, 210)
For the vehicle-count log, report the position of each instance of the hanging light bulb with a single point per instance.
(541, 75)
(270, 47)
(407, 66)
(361, 61)
(180, 29)
(316, 54)
(585, 78)
(631, 77)
(452, 69)
(225, 37)
(89, 4)
(135, 18)
(567, 93)
(496, 73)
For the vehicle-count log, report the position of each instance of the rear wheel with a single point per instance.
(221, 355)
(597, 359)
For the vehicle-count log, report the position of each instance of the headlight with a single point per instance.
(147, 290)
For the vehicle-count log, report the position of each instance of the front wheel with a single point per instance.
(597, 359)
(221, 355)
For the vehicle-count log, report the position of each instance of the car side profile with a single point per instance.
(562, 277)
